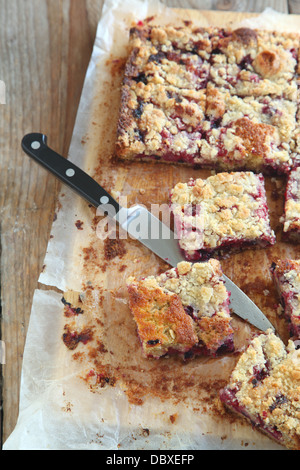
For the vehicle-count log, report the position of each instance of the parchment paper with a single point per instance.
(144, 404)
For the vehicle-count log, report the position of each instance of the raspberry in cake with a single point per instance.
(291, 216)
(185, 311)
(220, 215)
(286, 275)
(264, 388)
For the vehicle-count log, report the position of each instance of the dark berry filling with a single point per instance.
(245, 62)
(279, 400)
(228, 247)
(137, 113)
(260, 374)
(141, 78)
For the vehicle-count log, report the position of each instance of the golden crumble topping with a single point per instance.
(225, 208)
(183, 309)
(199, 285)
(159, 109)
(265, 388)
(161, 319)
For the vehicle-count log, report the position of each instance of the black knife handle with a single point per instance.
(35, 145)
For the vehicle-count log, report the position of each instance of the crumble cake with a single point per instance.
(264, 388)
(210, 98)
(291, 216)
(286, 275)
(163, 93)
(185, 311)
(223, 214)
(249, 132)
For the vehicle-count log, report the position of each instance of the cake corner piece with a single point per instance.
(264, 389)
(184, 310)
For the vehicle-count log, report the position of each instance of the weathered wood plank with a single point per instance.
(294, 7)
(46, 47)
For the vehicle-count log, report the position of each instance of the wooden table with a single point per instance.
(45, 50)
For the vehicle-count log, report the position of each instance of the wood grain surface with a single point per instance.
(45, 50)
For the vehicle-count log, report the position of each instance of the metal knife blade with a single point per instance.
(137, 221)
(149, 230)
(245, 308)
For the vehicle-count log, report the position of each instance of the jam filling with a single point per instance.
(199, 349)
(229, 247)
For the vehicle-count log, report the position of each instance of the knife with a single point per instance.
(137, 220)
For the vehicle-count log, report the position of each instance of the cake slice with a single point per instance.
(163, 93)
(291, 216)
(264, 388)
(286, 275)
(185, 311)
(224, 214)
(247, 133)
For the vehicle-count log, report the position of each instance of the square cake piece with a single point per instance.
(265, 387)
(253, 133)
(286, 275)
(224, 214)
(211, 98)
(185, 311)
(291, 216)
(163, 93)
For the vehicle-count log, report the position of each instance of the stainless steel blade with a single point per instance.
(243, 306)
(151, 232)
